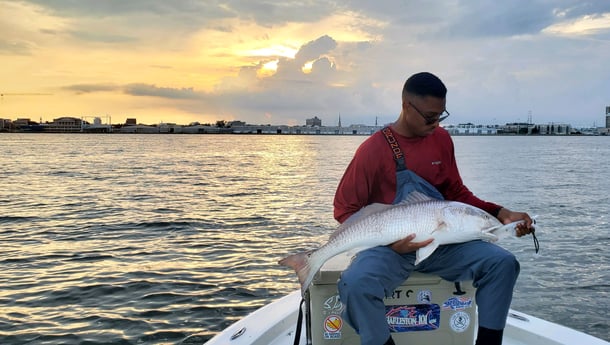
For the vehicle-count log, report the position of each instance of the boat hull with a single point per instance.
(275, 324)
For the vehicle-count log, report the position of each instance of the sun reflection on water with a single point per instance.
(161, 238)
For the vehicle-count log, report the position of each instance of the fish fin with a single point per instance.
(499, 232)
(368, 210)
(362, 213)
(506, 230)
(489, 237)
(423, 253)
(301, 264)
(415, 197)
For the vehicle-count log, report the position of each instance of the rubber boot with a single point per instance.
(486, 336)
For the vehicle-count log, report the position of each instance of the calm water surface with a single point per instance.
(165, 239)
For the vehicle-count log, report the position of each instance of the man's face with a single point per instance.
(423, 114)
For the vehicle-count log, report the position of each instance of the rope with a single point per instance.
(297, 333)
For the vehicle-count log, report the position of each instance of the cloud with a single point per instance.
(293, 93)
(90, 88)
(314, 49)
(21, 34)
(16, 47)
(191, 14)
(102, 37)
(588, 25)
(137, 89)
(163, 92)
(187, 9)
(280, 12)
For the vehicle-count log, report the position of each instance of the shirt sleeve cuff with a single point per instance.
(496, 211)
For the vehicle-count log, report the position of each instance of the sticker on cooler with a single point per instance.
(415, 317)
(333, 305)
(332, 327)
(459, 321)
(424, 296)
(457, 303)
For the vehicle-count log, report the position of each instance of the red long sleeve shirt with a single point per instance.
(371, 175)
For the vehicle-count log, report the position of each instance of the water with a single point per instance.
(168, 239)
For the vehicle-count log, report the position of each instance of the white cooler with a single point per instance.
(424, 310)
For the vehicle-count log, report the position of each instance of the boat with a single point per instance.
(275, 324)
(290, 318)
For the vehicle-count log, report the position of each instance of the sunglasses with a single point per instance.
(430, 119)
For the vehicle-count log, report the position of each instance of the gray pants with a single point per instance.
(375, 273)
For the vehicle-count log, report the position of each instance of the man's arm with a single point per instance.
(456, 190)
(366, 179)
(507, 216)
(453, 187)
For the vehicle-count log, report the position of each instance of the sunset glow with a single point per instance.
(199, 62)
(582, 26)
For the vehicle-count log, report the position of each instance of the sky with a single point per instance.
(281, 62)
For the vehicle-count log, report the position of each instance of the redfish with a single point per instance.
(380, 224)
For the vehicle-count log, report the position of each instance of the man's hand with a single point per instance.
(507, 216)
(406, 245)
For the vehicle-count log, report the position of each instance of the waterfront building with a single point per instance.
(605, 130)
(169, 128)
(26, 125)
(315, 121)
(22, 122)
(518, 128)
(141, 129)
(96, 127)
(471, 129)
(554, 129)
(204, 129)
(65, 125)
(6, 125)
(236, 123)
(358, 129)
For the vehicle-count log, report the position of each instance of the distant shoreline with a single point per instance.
(76, 125)
(302, 134)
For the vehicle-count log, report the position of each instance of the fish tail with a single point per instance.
(300, 263)
(501, 231)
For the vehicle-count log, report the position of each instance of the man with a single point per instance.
(423, 160)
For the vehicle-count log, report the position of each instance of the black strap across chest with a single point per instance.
(399, 157)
